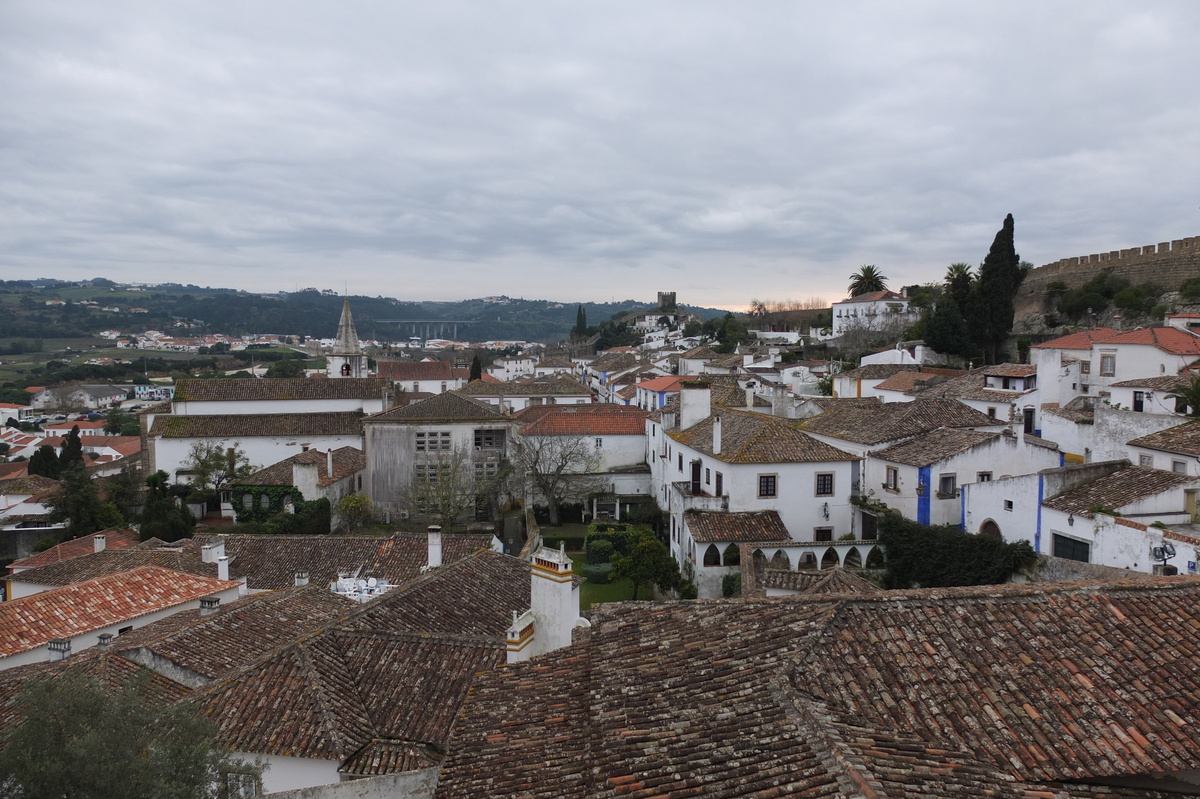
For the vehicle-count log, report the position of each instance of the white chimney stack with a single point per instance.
(222, 568)
(716, 435)
(210, 605)
(99, 541)
(695, 403)
(60, 649)
(329, 462)
(435, 546)
(210, 552)
(301, 578)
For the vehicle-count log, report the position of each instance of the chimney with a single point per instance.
(750, 397)
(210, 605)
(301, 578)
(329, 462)
(716, 435)
(553, 600)
(104, 641)
(222, 568)
(99, 541)
(60, 649)
(695, 403)
(780, 402)
(435, 545)
(211, 551)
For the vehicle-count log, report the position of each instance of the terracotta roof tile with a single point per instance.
(450, 406)
(600, 419)
(346, 461)
(263, 424)
(895, 421)
(30, 622)
(28, 485)
(115, 538)
(291, 388)
(1168, 339)
(742, 527)
(819, 581)
(88, 566)
(401, 371)
(754, 438)
(1082, 340)
(554, 385)
(1117, 490)
(935, 446)
(1183, 439)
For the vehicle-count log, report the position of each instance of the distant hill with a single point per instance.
(308, 313)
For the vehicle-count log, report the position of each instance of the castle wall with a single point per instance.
(1168, 264)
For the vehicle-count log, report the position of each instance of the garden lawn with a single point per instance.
(595, 593)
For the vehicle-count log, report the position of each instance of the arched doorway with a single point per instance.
(990, 529)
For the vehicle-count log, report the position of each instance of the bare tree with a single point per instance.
(215, 466)
(447, 486)
(560, 467)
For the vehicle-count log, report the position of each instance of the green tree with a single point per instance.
(44, 461)
(580, 329)
(476, 369)
(957, 284)
(354, 511)
(649, 562)
(1187, 395)
(292, 367)
(933, 557)
(214, 466)
(77, 502)
(1000, 276)
(117, 422)
(72, 449)
(946, 332)
(868, 278)
(79, 740)
(163, 516)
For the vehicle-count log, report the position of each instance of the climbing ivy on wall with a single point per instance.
(917, 556)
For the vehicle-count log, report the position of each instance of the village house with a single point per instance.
(1006, 391)
(513, 367)
(874, 311)
(709, 458)
(860, 429)
(427, 376)
(516, 396)
(52, 624)
(306, 476)
(411, 448)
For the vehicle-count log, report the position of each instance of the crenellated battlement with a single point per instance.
(1168, 264)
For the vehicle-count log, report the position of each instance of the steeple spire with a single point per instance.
(346, 359)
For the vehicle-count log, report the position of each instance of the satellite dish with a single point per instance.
(371, 582)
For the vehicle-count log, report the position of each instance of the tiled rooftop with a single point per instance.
(554, 385)
(1017, 691)
(1117, 490)
(1168, 339)
(111, 561)
(28, 485)
(346, 461)
(264, 424)
(935, 446)
(822, 581)
(402, 371)
(1082, 340)
(291, 388)
(71, 610)
(895, 421)
(755, 438)
(448, 407)
(115, 539)
(1183, 439)
(596, 419)
(744, 526)
(270, 562)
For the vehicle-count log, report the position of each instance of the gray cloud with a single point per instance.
(579, 151)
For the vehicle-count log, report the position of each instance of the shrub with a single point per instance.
(1190, 289)
(934, 557)
(731, 585)
(688, 591)
(599, 550)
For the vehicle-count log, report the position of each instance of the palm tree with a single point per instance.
(866, 279)
(1187, 394)
(958, 284)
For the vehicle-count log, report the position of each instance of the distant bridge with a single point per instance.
(430, 328)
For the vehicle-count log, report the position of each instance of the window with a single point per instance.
(429, 473)
(947, 486)
(992, 411)
(720, 487)
(1108, 365)
(708, 477)
(433, 442)
(416, 386)
(767, 485)
(1008, 505)
(712, 556)
(489, 439)
(825, 484)
(1071, 549)
(822, 534)
(443, 387)
(681, 461)
(1146, 460)
(1085, 367)
(264, 501)
(984, 477)
(247, 501)
(599, 443)
(486, 470)
(893, 479)
(1179, 467)
(124, 630)
(240, 786)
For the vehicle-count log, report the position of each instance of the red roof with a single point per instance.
(666, 383)
(877, 296)
(590, 420)
(1167, 339)
(1078, 341)
(116, 538)
(30, 622)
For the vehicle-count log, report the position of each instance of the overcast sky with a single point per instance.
(587, 150)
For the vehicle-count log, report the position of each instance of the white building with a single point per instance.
(875, 311)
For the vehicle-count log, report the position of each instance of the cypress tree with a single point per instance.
(580, 330)
(476, 369)
(946, 332)
(44, 461)
(1000, 276)
(72, 449)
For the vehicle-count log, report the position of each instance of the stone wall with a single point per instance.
(1168, 264)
